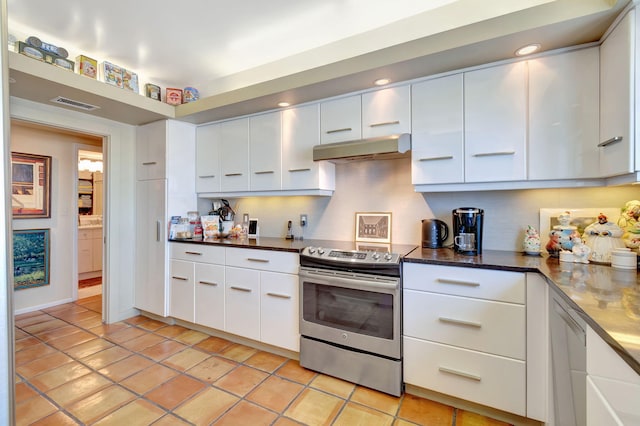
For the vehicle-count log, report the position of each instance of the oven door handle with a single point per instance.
(340, 279)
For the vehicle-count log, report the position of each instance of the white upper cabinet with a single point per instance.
(564, 115)
(265, 142)
(437, 151)
(208, 158)
(151, 142)
(341, 119)
(234, 155)
(386, 112)
(617, 99)
(495, 116)
(300, 132)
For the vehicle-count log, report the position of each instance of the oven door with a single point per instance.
(356, 311)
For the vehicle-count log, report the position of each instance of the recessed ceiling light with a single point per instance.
(528, 49)
(283, 104)
(381, 81)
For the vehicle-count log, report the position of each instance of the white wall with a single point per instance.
(118, 268)
(63, 218)
(381, 186)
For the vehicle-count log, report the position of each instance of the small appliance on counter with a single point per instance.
(434, 233)
(467, 230)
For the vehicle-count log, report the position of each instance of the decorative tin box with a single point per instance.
(44, 56)
(152, 91)
(87, 66)
(190, 94)
(112, 74)
(173, 96)
(130, 80)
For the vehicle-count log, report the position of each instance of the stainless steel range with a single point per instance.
(350, 322)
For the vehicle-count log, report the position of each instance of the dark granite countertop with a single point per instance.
(607, 298)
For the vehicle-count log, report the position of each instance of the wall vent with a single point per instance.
(75, 104)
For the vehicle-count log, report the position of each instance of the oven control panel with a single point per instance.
(351, 256)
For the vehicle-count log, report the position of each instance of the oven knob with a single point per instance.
(388, 256)
(376, 256)
(312, 250)
(320, 250)
(344, 336)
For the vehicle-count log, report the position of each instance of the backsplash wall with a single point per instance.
(385, 186)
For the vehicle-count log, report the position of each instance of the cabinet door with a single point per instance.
(208, 158)
(150, 241)
(341, 120)
(234, 155)
(242, 302)
(564, 115)
(437, 131)
(495, 106)
(386, 112)
(209, 303)
(96, 250)
(151, 151)
(85, 253)
(182, 290)
(265, 143)
(617, 99)
(279, 310)
(300, 132)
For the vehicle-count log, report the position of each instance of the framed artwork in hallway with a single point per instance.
(30, 186)
(30, 258)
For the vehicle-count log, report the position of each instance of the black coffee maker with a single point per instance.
(467, 230)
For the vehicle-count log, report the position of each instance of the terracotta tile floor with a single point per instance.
(73, 370)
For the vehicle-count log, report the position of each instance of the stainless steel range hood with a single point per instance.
(380, 148)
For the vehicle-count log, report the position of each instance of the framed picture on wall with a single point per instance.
(30, 258)
(373, 227)
(30, 186)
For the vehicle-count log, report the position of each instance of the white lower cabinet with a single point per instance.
(613, 387)
(279, 307)
(242, 302)
(465, 334)
(247, 292)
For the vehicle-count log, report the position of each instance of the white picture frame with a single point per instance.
(580, 218)
(373, 227)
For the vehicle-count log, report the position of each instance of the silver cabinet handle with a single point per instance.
(385, 123)
(494, 154)
(444, 157)
(346, 129)
(207, 176)
(299, 170)
(193, 252)
(281, 296)
(180, 278)
(457, 282)
(207, 283)
(149, 163)
(460, 373)
(460, 322)
(265, 172)
(247, 290)
(253, 259)
(157, 230)
(610, 141)
(233, 174)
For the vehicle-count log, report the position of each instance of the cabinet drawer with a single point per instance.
(85, 234)
(264, 260)
(488, 284)
(209, 299)
(482, 378)
(197, 253)
(182, 290)
(483, 325)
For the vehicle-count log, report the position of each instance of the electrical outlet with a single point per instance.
(303, 220)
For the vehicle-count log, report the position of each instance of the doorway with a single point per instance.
(90, 230)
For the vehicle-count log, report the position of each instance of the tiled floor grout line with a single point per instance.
(69, 319)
